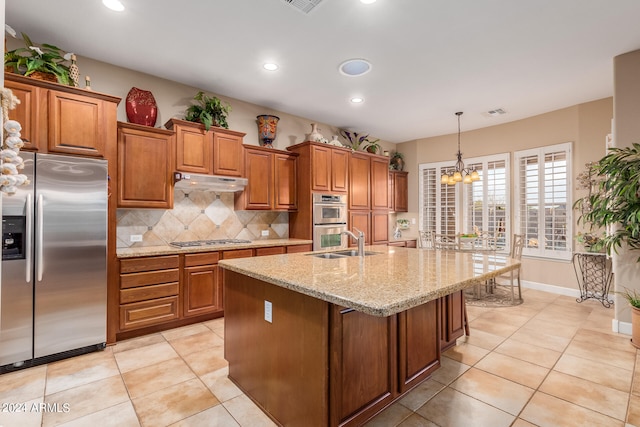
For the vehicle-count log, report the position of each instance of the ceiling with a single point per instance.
(430, 58)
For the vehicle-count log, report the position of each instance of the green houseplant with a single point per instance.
(209, 111)
(616, 198)
(396, 162)
(32, 59)
(373, 147)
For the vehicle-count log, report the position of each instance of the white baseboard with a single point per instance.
(616, 325)
(551, 289)
(621, 327)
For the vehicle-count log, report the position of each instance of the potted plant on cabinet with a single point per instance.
(373, 147)
(45, 62)
(396, 162)
(210, 111)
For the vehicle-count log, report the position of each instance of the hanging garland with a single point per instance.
(10, 160)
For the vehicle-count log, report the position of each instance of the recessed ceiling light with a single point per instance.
(357, 100)
(113, 5)
(355, 67)
(270, 66)
(367, 1)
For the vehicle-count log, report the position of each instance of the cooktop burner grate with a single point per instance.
(193, 243)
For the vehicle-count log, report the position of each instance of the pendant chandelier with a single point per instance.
(460, 173)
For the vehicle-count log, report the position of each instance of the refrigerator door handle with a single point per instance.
(39, 221)
(28, 237)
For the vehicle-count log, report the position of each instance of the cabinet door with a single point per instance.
(379, 183)
(391, 191)
(452, 321)
(360, 220)
(339, 171)
(359, 183)
(285, 182)
(31, 113)
(145, 167)
(379, 228)
(320, 168)
(259, 192)
(401, 192)
(202, 290)
(418, 348)
(228, 153)
(363, 365)
(193, 149)
(76, 124)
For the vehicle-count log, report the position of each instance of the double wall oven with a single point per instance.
(329, 221)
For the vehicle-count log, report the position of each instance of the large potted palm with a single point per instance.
(615, 206)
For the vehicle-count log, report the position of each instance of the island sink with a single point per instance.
(341, 254)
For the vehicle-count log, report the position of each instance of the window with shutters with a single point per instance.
(450, 209)
(543, 200)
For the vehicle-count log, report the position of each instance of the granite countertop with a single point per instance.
(393, 280)
(172, 250)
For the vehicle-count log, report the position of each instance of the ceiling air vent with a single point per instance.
(497, 112)
(305, 6)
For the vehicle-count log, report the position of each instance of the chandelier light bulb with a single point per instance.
(444, 179)
(475, 176)
(467, 179)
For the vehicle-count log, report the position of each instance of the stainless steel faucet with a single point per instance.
(359, 238)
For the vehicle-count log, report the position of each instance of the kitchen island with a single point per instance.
(333, 341)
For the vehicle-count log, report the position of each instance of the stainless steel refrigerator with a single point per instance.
(53, 289)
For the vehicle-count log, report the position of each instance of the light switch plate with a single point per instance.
(136, 238)
(268, 311)
(265, 233)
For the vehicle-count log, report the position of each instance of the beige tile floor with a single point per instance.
(547, 362)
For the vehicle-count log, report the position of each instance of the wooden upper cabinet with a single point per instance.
(285, 181)
(272, 176)
(320, 168)
(28, 112)
(145, 167)
(216, 152)
(63, 119)
(401, 191)
(339, 171)
(193, 147)
(227, 152)
(379, 183)
(258, 194)
(76, 124)
(359, 182)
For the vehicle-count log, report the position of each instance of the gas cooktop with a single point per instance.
(193, 243)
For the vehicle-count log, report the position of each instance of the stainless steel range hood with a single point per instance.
(220, 184)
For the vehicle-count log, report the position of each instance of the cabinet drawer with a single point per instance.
(240, 253)
(276, 250)
(143, 293)
(149, 278)
(412, 243)
(135, 265)
(299, 248)
(191, 260)
(147, 313)
(399, 244)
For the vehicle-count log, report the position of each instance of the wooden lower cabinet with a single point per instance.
(202, 287)
(319, 364)
(149, 289)
(452, 319)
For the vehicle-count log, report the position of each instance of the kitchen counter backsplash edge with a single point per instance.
(172, 250)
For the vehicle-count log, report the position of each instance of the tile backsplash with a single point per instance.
(198, 215)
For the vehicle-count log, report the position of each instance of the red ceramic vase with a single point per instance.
(141, 107)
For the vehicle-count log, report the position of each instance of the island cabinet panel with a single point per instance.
(28, 113)
(452, 319)
(202, 287)
(363, 360)
(283, 363)
(418, 349)
(145, 167)
(76, 124)
(359, 181)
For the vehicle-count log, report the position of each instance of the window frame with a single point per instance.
(541, 153)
